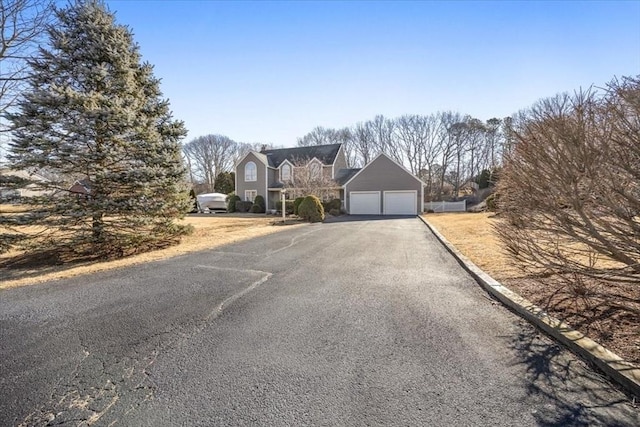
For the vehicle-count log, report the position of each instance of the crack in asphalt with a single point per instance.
(126, 380)
(294, 241)
(217, 311)
(123, 380)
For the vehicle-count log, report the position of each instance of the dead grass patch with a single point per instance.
(607, 314)
(19, 269)
(9, 208)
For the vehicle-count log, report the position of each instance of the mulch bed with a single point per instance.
(608, 314)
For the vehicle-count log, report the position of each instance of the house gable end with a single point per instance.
(382, 157)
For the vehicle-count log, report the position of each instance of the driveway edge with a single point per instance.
(610, 363)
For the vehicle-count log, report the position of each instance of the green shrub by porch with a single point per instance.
(243, 206)
(311, 209)
(296, 204)
(333, 204)
(231, 202)
(258, 205)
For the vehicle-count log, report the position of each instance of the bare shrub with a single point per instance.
(570, 189)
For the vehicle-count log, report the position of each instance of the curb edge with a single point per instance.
(610, 363)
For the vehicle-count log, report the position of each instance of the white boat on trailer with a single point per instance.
(210, 202)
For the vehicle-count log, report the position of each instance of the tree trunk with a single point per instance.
(98, 228)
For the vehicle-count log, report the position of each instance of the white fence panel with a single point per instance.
(446, 206)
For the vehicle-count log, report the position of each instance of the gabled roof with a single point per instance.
(324, 153)
(81, 186)
(389, 158)
(344, 175)
(259, 156)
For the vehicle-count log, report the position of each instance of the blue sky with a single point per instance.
(271, 71)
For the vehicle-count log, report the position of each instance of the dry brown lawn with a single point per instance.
(210, 231)
(590, 309)
(8, 208)
(472, 234)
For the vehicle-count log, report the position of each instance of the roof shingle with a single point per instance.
(325, 153)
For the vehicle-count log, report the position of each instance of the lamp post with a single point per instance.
(283, 193)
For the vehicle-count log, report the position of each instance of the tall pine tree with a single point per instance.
(94, 113)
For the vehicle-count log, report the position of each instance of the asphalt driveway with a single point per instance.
(364, 322)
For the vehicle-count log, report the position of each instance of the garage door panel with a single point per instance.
(400, 203)
(364, 203)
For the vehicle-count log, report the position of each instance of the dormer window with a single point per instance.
(315, 170)
(285, 172)
(250, 172)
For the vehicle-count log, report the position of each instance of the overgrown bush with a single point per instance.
(258, 205)
(232, 199)
(311, 209)
(492, 202)
(335, 212)
(332, 204)
(243, 206)
(296, 204)
(288, 206)
(569, 190)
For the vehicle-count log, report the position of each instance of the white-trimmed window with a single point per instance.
(250, 172)
(285, 172)
(250, 195)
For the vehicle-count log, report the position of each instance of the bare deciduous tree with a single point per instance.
(209, 155)
(364, 142)
(310, 179)
(22, 25)
(318, 136)
(386, 141)
(444, 149)
(570, 189)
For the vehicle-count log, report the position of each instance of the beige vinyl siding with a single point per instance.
(383, 174)
(340, 162)
(259, 184)
(273, 175)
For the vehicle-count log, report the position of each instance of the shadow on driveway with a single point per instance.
(556, 377)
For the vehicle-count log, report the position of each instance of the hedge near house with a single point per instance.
(243, 206)
(258, 205)
(296, 204)
(333, 204)
(288, 206)
(311, 209)
(231, 202)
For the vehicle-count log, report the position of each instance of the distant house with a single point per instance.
(382, 187)
(81, 187)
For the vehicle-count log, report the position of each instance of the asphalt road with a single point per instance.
(355, 323)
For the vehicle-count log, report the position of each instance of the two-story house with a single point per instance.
(382, 187)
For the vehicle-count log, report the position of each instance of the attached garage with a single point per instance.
(400, 202)
(365, 202)
(383, 187)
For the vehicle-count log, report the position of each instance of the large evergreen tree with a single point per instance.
(225, 183)
(94, 112)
